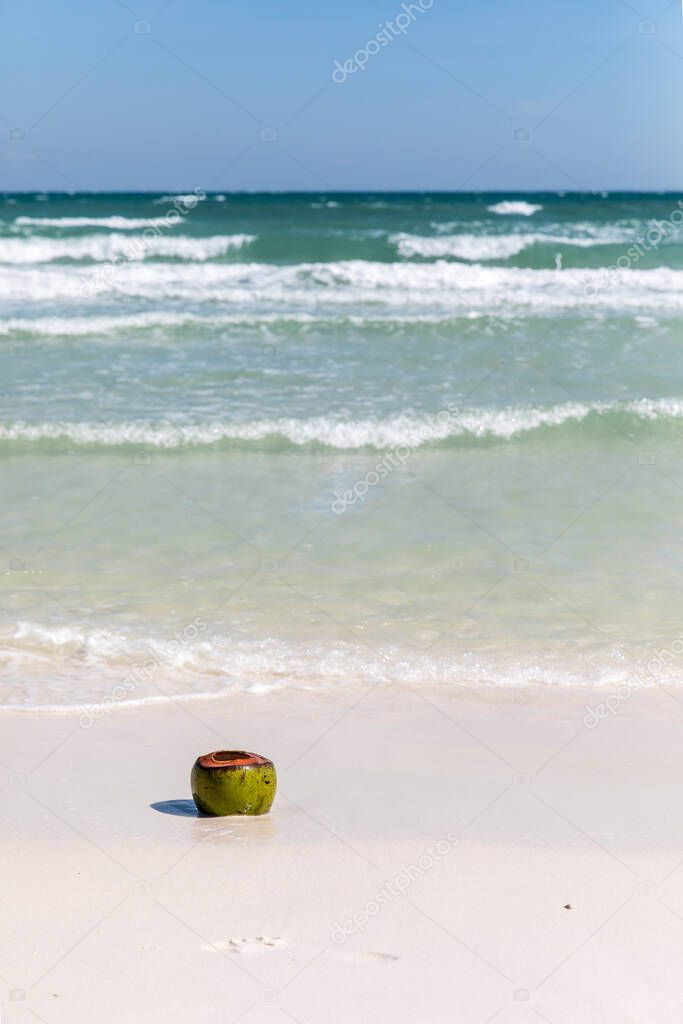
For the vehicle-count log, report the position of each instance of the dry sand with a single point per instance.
(349, 902)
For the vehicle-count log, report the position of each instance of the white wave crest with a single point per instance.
(401, 430)
(360, 287)
(116, 222)
(382, 434)
(188, 199)
(515, 208)
(73, 669)
(103, 248)
(464, 247)
(497, 247)
(99, 326)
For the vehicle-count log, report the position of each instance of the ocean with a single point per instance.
(255, 441)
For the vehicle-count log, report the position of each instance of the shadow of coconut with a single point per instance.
(180, 808)
(230, 827)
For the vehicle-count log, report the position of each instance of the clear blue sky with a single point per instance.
(107, 105)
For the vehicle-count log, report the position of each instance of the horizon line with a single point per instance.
(602, 192)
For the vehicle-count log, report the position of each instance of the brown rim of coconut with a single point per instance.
(231, 759)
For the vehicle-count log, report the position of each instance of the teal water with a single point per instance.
(252, 441)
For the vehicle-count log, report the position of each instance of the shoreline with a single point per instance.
(334, 899)
(540, 695)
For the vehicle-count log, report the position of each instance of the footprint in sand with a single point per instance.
(360, 956)
(262, 944)
(246, 947)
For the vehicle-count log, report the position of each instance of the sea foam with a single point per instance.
(359, 286)
(497, 247)
(100, 248)
(515, 208)
(117, 223)
(75, 669)
(391, 432)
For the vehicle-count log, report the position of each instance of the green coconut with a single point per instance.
(233, 782)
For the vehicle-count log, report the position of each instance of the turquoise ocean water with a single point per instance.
(255, 441)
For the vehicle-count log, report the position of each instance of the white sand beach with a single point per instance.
(341, 424)
(416, 865)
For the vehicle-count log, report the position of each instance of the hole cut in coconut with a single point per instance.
(232, 759)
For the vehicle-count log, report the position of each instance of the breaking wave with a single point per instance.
(441, 286)
(100, 248)
(73, 669)
(345, 435)
(117, 223)
(497, 247)
(515, 208)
